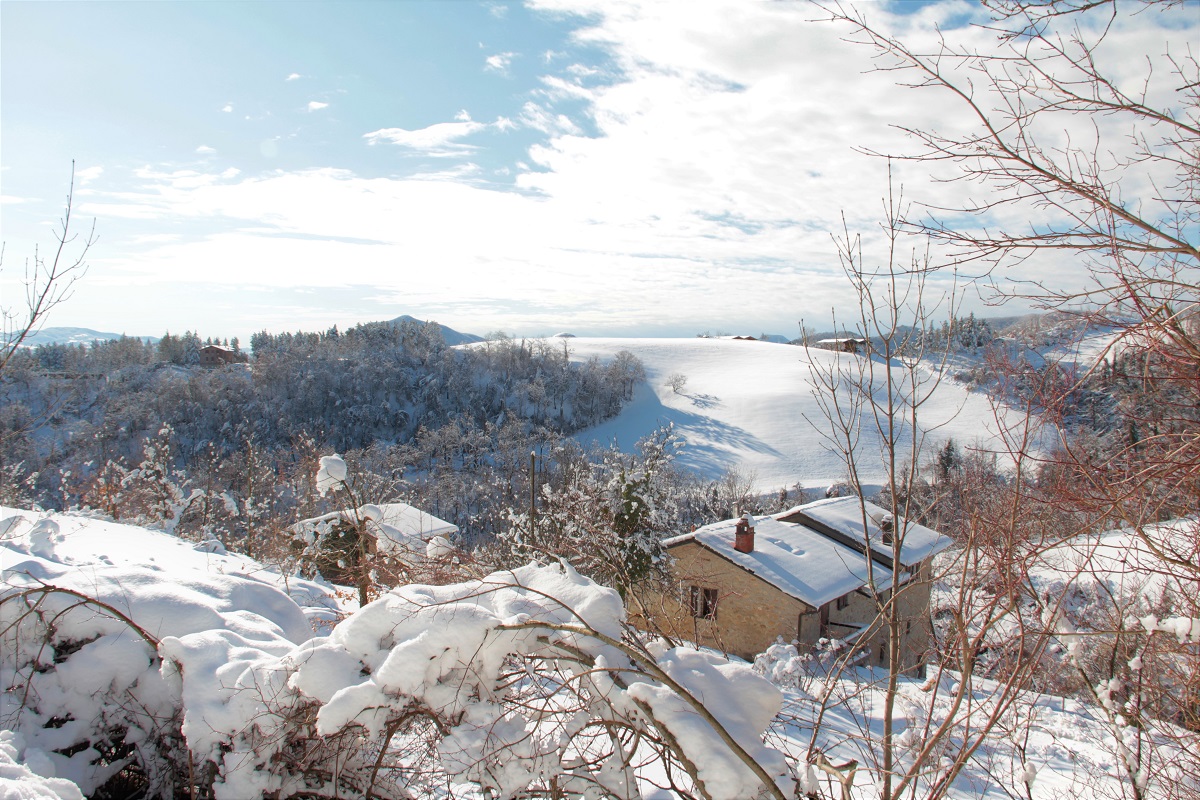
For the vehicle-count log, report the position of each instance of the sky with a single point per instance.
(599, 167)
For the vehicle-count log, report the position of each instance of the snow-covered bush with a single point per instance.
(204, 678)
(519, 683)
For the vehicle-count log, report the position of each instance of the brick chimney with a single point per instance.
(743, 534)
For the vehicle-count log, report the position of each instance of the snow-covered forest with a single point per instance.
(450, 426)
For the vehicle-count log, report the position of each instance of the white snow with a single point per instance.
(751, 405)
(240, 661)
(331, 473)
(399, 528)
(845, 516)
(28, 774)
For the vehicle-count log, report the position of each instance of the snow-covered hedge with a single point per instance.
(206, 676)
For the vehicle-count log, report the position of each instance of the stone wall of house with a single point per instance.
(913, 607)
(751, 613)
(912, 610)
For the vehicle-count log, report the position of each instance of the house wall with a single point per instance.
(751, 613)
(913, 607)
(912, 612)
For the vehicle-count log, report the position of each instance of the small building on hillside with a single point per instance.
(214, 355)
(844, 345)
(809, 573)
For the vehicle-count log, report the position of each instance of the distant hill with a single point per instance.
(451, 336)
(74, 336)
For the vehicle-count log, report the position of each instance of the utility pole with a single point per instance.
(532, 492)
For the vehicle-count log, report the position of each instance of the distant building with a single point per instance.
(844, 345)
(214, 355)
(808, 573)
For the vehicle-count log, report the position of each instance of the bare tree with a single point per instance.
(1121, 192)
(1105, 169)
(874, 408)
(47, 282)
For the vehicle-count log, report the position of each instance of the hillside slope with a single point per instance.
(752, 405)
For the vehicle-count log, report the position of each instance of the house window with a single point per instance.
(843, 601)
(704, 603)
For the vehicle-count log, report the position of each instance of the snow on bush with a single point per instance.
(81, 676)
(27, 774)
(510, 683)
(330, 473)
(193, 678)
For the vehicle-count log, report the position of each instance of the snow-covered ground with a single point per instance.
(753, 406)
(252, 654)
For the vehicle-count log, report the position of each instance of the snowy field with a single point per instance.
(752, 405)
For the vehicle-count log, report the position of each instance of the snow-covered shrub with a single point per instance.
(785, 666)
(605, 512)
(203, 679)
(521, 683)
(81, 677)
(81, 686)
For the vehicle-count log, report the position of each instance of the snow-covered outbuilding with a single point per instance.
(809, 573)
(404, 532)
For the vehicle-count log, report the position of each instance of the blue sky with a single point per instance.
(607, 168)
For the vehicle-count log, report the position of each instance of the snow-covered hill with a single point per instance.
(63, 335)
(753, 405)
(451, 336)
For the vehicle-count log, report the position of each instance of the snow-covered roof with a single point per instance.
(797, 560)
(396, 525)
(415, 522)
(842, 518)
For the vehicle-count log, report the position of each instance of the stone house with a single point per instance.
(844, 345)
(214, 355)
(803, 574)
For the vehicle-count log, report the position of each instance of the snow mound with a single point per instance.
(86, 609)
(23, 773)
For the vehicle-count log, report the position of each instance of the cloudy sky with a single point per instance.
(593, 166)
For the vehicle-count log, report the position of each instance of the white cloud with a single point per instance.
(317, 105)
(541, 119)
(721, 147)
(440, 139)
(227, 108)
(205, 150)
(295, 76)
(498, 10)
(85, 176)
(499, 62)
